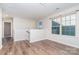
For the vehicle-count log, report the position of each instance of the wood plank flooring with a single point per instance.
(44, 47)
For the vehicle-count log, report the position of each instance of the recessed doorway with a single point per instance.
(7, 31)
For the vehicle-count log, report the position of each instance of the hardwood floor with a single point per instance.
(44, 47)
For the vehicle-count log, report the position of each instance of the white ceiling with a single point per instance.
(34, 10)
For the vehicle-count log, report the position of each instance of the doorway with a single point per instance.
(7, 32)
(7, 29)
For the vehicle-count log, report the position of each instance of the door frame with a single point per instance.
(9, 20)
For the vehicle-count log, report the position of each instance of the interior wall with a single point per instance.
(0, 28)
(64, 39)
(37, 35)
(20, 26)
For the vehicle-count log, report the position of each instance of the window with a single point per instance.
(68, 25)
(56, 26)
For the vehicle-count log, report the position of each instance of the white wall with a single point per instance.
(0, 27)
(20, 26)
(37, 35)
(68, 40)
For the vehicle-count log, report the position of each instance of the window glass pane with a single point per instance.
(67, 17)
(55, 30)
(64, 18)
(54, 20)
(73, 22)
(68, 26)
(68, 23)
(73, 16)
(63, 24)
(56, 26)
(63, 21)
